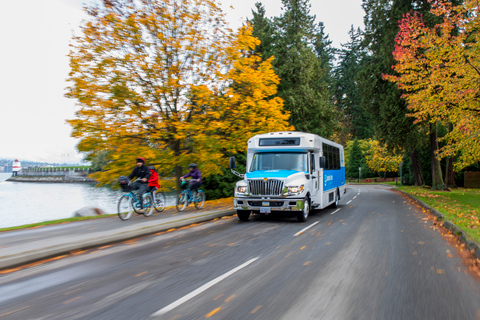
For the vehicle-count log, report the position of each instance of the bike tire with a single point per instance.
(182, 201)
(147, 205)
(125, 208)
(136, 204)
(160, 202)
(199, 200)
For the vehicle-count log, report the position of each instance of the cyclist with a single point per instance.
(196, 178)
(153, 180)
(141, 184)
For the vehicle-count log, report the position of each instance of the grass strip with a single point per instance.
(460, 206)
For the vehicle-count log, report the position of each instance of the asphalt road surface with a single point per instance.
(374, 257)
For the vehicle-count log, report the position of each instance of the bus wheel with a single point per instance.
(302, 216)
(335, 204)
(243, 215)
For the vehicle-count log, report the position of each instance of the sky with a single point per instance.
(34, 65)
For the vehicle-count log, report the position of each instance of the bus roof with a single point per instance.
(291, 140)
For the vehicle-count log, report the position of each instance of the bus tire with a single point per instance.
(243, 215)
(302, 216)
(335, 203)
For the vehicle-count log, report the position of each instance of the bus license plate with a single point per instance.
(265, 210)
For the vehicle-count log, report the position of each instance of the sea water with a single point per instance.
(31, 202)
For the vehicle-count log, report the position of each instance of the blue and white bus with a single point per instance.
(289, 172)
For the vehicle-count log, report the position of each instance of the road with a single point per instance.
(374, 257)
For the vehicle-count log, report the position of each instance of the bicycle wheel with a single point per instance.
(182, 201)
(136, 204)
(147, 205)
(199, 199)
(159, 202)
(125, 208)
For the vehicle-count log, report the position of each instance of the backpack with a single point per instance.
(125, 183)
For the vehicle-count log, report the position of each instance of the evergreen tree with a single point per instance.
(300, 69)
(325, 53)
(263, 30)
(380, 97)
(347, 94)
(355, 160)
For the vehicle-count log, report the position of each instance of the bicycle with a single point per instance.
(185, 197)
(158, 198)
(129, 203)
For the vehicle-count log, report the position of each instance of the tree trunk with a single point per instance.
(416, 167)
(437, 178)
(449, 172)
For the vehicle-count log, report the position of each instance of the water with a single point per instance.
(30, 202)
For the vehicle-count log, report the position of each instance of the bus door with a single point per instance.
(314, 175)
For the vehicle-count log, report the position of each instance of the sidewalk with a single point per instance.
(24, 246)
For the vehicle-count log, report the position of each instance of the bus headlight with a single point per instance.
(294, 190)
(242, 189)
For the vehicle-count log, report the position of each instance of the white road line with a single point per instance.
(349, 201)
(304, 229)
(201, 289)
(354, 197)
(335, 211)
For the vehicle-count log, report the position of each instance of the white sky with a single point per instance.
(33, 66)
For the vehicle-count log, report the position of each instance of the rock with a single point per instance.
(88, 211)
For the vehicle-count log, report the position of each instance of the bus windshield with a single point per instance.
(280, 161)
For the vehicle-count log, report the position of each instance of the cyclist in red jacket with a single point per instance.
(153, 180)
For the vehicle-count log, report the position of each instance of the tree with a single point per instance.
(381, 98)
(263, 30)
(438, 70)
(299, 68)
(381, 160)
(168, 81)
(347, 94)
(354, 160)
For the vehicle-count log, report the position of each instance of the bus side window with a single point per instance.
(322, 162)
(312, 163)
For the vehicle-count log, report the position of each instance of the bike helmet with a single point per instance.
(140, 159)
(192, 165)
(151, 168)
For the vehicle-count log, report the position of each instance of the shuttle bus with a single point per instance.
(289, 172)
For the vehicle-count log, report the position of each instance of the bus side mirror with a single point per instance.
(232, 162)
(322, 162)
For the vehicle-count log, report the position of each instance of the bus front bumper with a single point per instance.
(268, 205)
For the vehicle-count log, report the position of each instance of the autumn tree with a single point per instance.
(439, 70)
(381, 160)
(169, 81)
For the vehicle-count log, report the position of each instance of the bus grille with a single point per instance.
(262, 188)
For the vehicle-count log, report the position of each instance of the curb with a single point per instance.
(23, 258)
(471, 245)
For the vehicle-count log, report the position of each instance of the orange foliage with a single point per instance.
(439, 70)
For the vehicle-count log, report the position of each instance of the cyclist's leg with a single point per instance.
(141, 190)
(193, 187)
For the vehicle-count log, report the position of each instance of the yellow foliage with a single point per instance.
(167, 80)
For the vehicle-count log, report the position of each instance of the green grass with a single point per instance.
(59, 221)
(460, 206)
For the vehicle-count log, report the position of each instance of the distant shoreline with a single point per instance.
(51, 179)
